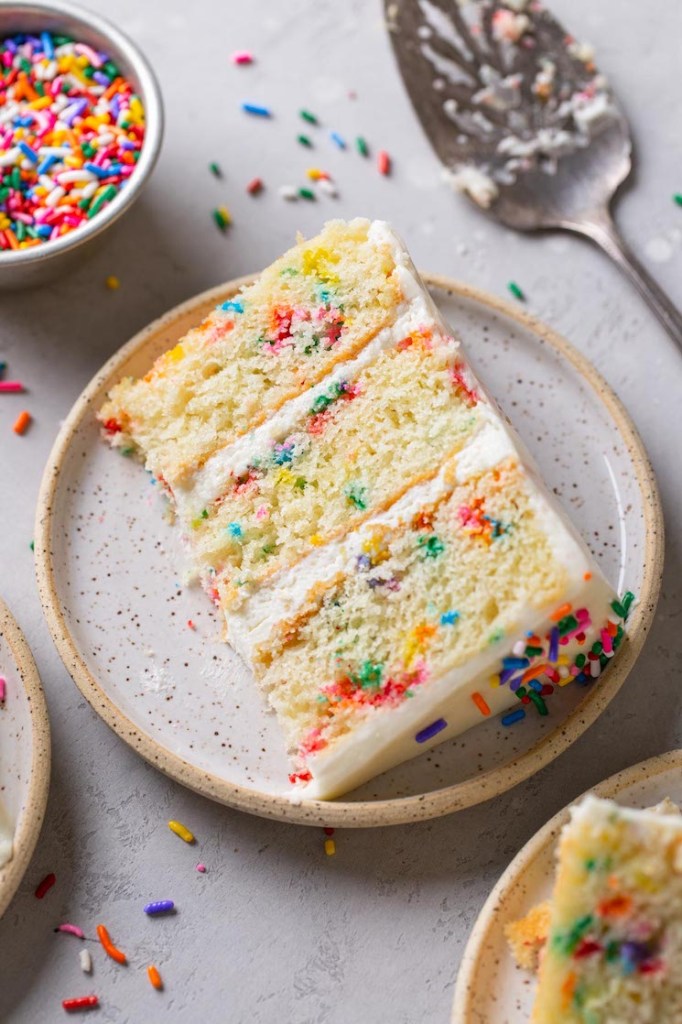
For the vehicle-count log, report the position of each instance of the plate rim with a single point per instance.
(536, 846)
(355, 814)
(30, 824)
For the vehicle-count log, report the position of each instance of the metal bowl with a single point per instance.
(27, 267)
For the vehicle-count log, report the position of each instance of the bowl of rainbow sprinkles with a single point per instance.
(81, 123)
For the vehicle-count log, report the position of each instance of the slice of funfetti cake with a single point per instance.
(614, 948)
(387, 560)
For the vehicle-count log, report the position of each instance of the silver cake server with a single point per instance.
(521, 118)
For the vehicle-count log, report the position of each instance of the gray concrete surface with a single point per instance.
(277, 931)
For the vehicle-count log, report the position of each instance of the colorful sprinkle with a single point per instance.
(85, 961)
(306, 193)
(73, 140)
(361, 146)
(3, 689)
(304, 140)
(108, 946)
(383, 162)
(677, 198)
(201, 868)
(44, 887)
(431, 730)
(307, 116)
(254, 186)
(180, 830)
(159, 907)
(222, 217)
(449, 618)
(513, 716)
(288, 192)
(338, 140)
(22, 422)
(242, 57)
(328, 187)
(71, 929)
(329, 847)
(112, 283)
(256, 109)
(215, 170)
(11, 386)
(516, 291)
(80, 1003)
(231, 306)
(154, 978)
(481, 703)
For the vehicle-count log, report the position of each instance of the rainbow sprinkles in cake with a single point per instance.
(386, 558)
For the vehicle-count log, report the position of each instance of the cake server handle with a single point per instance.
(601, 229)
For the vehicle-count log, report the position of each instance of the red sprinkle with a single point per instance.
(191, 624)
(81, 1003)
(586, 948)
(255, 186)
(328, 831)
(44, 887)
(383, 162)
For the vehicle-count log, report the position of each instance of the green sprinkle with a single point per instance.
(357, 496)
(304, 140)
(127, 451)
(20, 230)
(677, 198)
(40, 88)
(32, 546)
(532, 651)
(538, 701)
(618, 609)
(567, 625)
(306, 193)
(221, 220)
(432, 547)
(628, 598)
(580, 660)
(204, 513)
(214, 168)
(110, 69)
(516, 291)
(361, 146)
(85, 203)
(109, 193)
(307, 116)
(597, 647)
(15, 177)
(88, 150)
(369, 676)
(301, 483)
(496, 636)
(567, 943)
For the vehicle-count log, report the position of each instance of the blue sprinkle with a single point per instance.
(536, 685)
(44, 165)
(234, 529)
(48, 47)
(364, 563)
(44, 231)
(554, 644)
(28, 152)
(236, 307)
(449, 618)
(515, 663)
(254, 108)
(101, 172)
(431, 730)
(338, 139)
(23, 122)
(159, 907)
(513, 716)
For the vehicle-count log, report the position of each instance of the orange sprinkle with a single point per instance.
(612, 628)
(21, 422)
(561, 612)
(533, 672)
(114, 87)
(481, 703)
(155, 977)
(109, 948)
(11, 238)
(616, 906)
(587, 576)
(567, 989)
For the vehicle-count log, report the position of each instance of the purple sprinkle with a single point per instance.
(513, 716)
(160, 907)
(514, 683)
(431, 730)
(506, 674)
(554, 644)
(101, 78)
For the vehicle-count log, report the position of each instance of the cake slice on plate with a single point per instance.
(614, 946)
(386, 557)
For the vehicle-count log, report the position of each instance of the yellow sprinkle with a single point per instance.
(41, 103)
(285, 476)
(494, 681)
(226, 214)
(112, 282)
(181, 831)
(329, 847)
(176, 354)
(314, 173)
(316, 539)
(566, 681)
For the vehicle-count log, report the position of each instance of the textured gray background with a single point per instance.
(276, 931)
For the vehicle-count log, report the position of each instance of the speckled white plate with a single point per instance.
(107, 571)
(24, 754)
(490, 988)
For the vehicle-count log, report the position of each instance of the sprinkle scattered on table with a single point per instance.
(307, 116)
(304, 140)
(306, 193)
(154, 977)
(182, 831)
(383, 162)
(85, 961)
(221, 216)
(516, 291)
(338, 140)
(80, 1003)
(112, 282)
(256, 109)
(361, 146)
(3, 367)
(73, 141)
(328, 187)
(10, 386)
(242, 57)
(677, 198)
(254, 186)
(22, 422)
(71, 929)
(109, 948)
(159, 907)
(287, 192)
(201, 868)
(44, 887)
(3, 689)
(215, 170)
